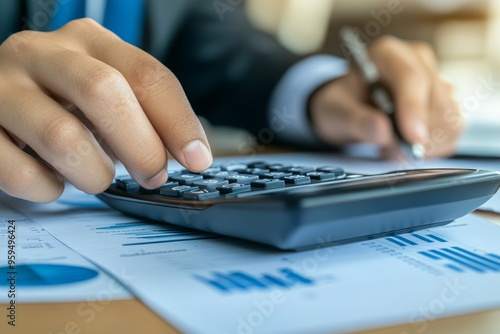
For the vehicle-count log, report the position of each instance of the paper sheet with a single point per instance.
(36, 267)
(202, 283)
(481, 136)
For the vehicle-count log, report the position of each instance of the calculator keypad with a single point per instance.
(233, 178)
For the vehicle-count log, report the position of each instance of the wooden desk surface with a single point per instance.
(131, 316)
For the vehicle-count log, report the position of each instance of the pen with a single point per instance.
(378, 93)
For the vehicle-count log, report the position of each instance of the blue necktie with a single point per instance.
(124, 17)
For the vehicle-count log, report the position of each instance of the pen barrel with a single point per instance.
(381, 98)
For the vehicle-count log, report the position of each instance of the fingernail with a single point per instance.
(158, 180)
(197, 156)
(421, 130)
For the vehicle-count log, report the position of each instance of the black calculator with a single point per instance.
(293, 206)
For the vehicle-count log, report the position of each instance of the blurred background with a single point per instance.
(465, 35)
(462, 32)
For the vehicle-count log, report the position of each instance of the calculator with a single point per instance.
(293, 206)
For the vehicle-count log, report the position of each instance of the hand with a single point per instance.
(426, 111)
(71, 94)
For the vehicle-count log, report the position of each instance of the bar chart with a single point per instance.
(459, 259)
(145, 233)
(239, 281)
(415, 239)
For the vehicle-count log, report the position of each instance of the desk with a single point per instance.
(131, 316)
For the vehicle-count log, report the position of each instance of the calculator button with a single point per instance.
(176, 191)
(219, 175)
(253, 171)
(187, 178)
(275, 175)
(339, 172)
(126, 183)
(257, 164)
(299, 170)
(324, 176)
(231, 166)
(211, 170)
(233, 188)
(157, 190)
(201, 194)
(242, 178)
(278, 167)
(209, 184)
(297, 179)
(268, 184)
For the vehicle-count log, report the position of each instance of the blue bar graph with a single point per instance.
(394, 241)
(418, 236)
(407, 241)
(436, 238)
(146, 233)
(494, 256)
(241, 281)
(121, 226)
(415, 239)
(494, 263)
(462, 260)
(430, 256)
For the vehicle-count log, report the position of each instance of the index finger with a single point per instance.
(159, 93)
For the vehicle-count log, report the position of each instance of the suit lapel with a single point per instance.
(164, 18)
(9, 17)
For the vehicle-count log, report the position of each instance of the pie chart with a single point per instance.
(38, 275)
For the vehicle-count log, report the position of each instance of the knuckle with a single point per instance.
(17, 181)
(424, 49)
(413, 77)
(83, 24)
(98, 82)
(385, 42)
(62, 135)
(23, 42)
(151, 73)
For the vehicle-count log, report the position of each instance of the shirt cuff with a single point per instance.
(287, 116)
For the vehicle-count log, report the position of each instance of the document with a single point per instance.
(481, 137)
(36, 267)
(203, 283)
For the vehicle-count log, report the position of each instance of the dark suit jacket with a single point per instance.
(227, 68)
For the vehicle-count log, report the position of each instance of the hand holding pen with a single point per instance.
(379, 95)
(413, 108)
